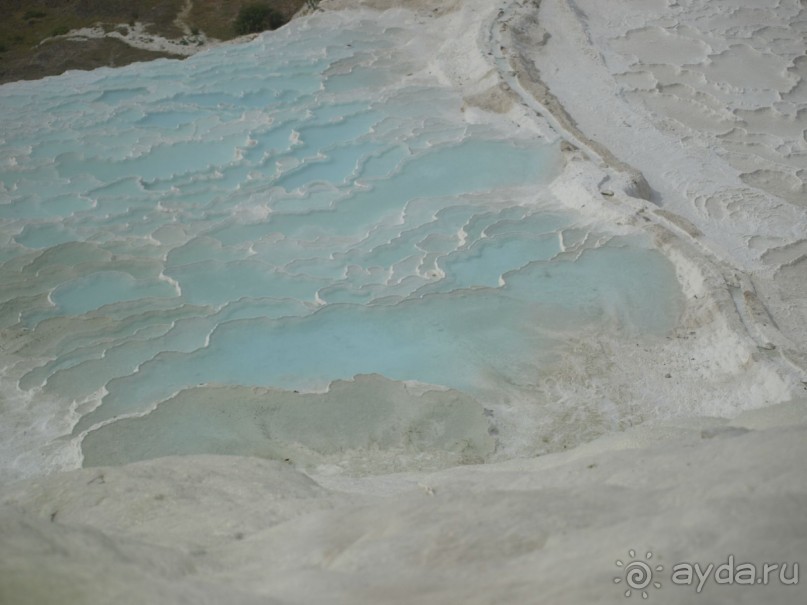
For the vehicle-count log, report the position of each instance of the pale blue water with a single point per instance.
(286, 213)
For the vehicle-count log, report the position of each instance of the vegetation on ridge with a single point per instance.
(29, 50)
(257, 17)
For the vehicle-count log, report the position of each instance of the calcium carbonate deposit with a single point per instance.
(283, 214)
(478, 302)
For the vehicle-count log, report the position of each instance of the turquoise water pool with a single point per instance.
(301, 209)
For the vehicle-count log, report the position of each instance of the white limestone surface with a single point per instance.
(680, 119)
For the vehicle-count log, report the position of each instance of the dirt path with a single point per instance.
(182, 16)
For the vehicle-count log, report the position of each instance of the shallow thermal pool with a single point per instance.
(228, 235)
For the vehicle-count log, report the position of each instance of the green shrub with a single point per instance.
(257, 17)
(3, 47)
(60, 31)
(194, 31)
(34, 14)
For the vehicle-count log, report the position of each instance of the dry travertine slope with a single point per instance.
(708, 100)
(210, 529)
(205, 529)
